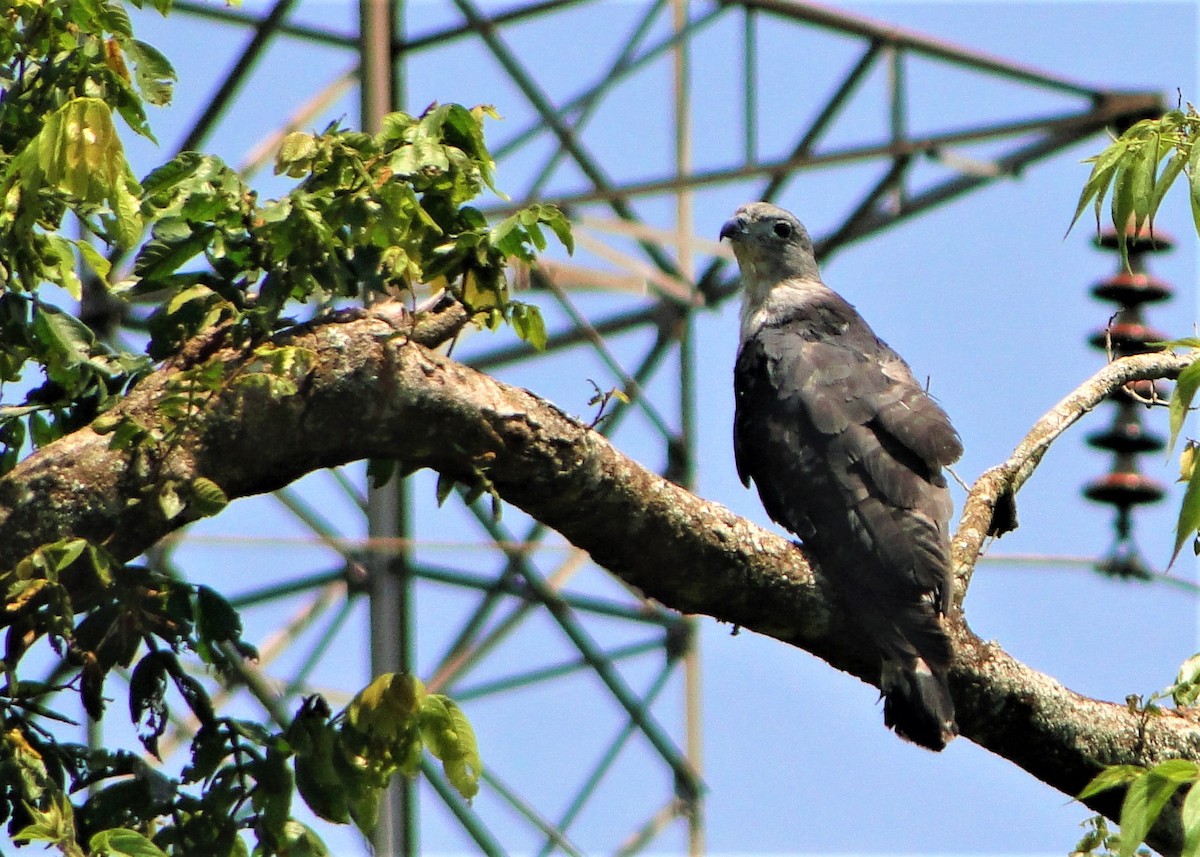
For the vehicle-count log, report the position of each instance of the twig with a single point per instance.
(999, 485)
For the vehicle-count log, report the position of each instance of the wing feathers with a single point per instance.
(846, 450)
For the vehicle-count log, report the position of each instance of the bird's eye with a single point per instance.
(783, 229)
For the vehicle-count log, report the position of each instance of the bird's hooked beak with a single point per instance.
(734, 228)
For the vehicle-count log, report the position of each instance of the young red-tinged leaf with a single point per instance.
(1189, 515)
(122, 842)
(1111, 777)
(1144, 801)
(1181, 400)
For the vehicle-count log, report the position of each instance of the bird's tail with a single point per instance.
(917, 703)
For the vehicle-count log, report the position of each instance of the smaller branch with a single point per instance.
(990, 509)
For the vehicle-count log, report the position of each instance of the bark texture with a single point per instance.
(375, 389)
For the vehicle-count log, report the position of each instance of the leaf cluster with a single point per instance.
(1147, 791)
(1136, 169)
(372, 216)
(343, 763)
(67, 70)
(191, 255)
(242, 776)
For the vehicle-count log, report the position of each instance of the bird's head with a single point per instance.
(769, 242)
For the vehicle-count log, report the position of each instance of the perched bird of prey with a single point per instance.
(846, 450)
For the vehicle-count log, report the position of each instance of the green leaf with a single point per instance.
(1186, 689)
(68, 337)
(1189, 514)
(363, 801)
(560, 226)
(379, 713)
(216, 619)
(272, 796)
(94, 259)
(317, 778)
(1177, 770)
(64, 553)
(127, 210)
(1181, 400)
(207, 497)
(198, 292)
(154, 74)
(121, 842)
(1104, 169)
(41, 432)
(1193, 171)
(169, 501)
(449, 736)
(1189, 818)
(1111, 777)
(1164, 181)
(147, 698)
(1144, 801)
(296, 152)
(528, 324)
(63, 270)
(1172, 344)
(299, 840)
(55, 823)
(1131, 193)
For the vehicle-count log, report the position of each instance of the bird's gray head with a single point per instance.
(770, 244)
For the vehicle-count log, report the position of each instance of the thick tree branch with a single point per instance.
(374, 390)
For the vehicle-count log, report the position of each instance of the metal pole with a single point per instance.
(390, 578)
(685, 443)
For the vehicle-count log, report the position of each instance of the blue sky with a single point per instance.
(983, 295)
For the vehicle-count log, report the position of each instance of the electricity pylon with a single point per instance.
(585, 694)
